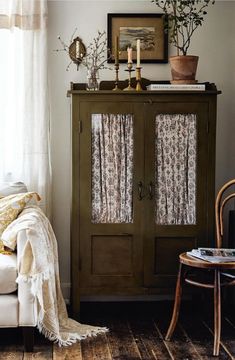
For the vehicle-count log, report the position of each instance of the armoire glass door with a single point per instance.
(112, 163)
(176, 178)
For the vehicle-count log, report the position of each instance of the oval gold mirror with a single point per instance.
(77, 50)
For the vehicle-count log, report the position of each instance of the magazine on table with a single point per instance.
(213, 255)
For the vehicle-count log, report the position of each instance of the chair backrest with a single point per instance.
(220, 202)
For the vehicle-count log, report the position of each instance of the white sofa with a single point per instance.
(18, 307)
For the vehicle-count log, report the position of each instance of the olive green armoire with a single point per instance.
(143, 172)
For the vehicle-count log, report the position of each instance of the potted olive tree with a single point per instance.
(184, 17)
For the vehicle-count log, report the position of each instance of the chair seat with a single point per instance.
(8, 273)
(202, 264)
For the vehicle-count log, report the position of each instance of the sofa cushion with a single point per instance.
(8, 273)
(10, 207)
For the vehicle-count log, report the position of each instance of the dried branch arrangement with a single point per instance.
(96, 56)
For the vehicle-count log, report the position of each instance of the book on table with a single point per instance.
(213, 255)
(173, 87)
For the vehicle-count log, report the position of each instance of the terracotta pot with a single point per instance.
(183, 69)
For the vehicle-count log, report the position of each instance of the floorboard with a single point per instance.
(73, 352)
(121, 341)
(137, 332)
(201, 337)
(96, 348)
(148, 340)
(11, 350)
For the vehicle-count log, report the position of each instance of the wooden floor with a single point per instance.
(136, 332)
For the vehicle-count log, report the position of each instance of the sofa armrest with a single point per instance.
(27, 302)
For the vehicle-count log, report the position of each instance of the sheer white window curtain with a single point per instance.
(24, 107)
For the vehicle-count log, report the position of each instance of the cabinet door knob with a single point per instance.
(140, 190)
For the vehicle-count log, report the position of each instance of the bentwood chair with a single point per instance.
(220, 277)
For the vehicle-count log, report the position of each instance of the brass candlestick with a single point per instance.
(129, 69)
(116, 79)
(138, 79)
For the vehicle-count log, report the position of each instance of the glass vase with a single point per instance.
(92, 79)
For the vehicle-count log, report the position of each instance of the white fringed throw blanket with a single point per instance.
(39, 265)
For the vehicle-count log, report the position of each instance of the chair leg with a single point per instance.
(176, 309)
(217, 313)
(28, 338)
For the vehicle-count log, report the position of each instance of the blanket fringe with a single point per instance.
(36, 283)
(34, 278)
(73, 337)
(39, 268)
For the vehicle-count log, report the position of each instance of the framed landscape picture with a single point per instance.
(149, 28)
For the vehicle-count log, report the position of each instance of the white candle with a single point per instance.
(138, 53)
(129, 55)
(77, 49)
(116, 50)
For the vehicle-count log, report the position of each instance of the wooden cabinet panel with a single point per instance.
(112, 255)
(166, 252)
(137, 253)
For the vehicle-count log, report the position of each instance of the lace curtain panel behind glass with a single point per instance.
(175, 164)
(112, 168)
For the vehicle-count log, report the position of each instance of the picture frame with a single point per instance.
(151, 29)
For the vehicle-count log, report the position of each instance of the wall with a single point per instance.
(213, 42)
